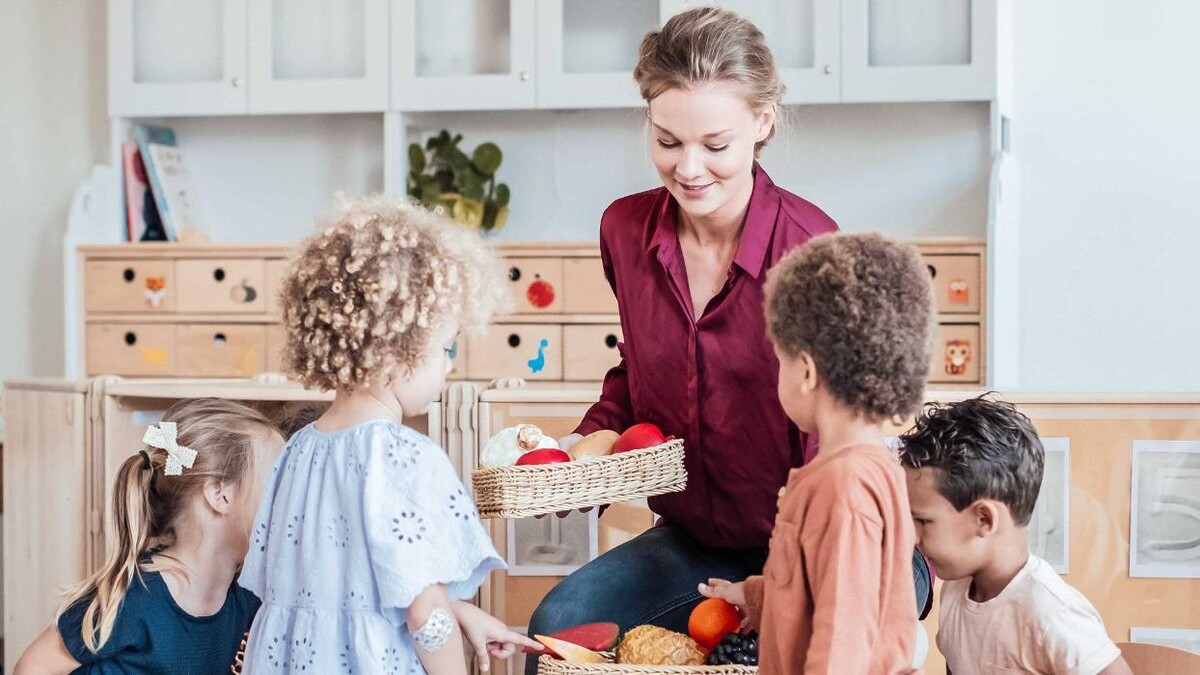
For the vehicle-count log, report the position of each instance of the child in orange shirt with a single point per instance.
(851, 318)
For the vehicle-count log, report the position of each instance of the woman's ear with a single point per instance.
(219, 496)
(766, 121)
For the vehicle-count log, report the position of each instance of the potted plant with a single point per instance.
(442, 176)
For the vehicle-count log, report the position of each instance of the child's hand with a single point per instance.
(734, 594)
(488, 635)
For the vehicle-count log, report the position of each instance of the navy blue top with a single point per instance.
(153, 634)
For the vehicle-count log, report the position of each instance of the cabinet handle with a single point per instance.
(235, 82)
(514, 340)
(128, 274)
(932, 271)
(219, 274)
(130, 338)
(828, 70)
(524, 76)
(514, 274)
(610, 341)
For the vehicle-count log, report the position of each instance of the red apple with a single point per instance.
(543, 456)
(638, 436)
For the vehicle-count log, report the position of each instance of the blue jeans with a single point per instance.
(652, 579)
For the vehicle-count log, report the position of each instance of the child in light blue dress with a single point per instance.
(366, 547)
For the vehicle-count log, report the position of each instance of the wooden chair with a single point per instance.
(1150, 659)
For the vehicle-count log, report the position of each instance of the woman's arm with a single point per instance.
(613, 410)
(47, 654)
(448, 658)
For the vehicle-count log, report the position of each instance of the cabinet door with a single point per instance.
(176, 58)
(804, 39)
(462, 54)
(919, 50)
(318, 56)
(586, 50)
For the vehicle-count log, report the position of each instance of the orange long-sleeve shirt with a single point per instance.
(836, 595)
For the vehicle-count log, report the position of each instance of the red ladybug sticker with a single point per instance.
(540, 294)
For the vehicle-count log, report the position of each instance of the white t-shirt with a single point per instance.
(1037, 624)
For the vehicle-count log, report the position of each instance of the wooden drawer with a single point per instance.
(222, 285)
(956, 282)
(536, 284)
(276, 271)
(529, 351)
(585, 290)
(957, 354)
(130, 349)
(220, 350)
(276, 339)
(129, 286)
(589, 351)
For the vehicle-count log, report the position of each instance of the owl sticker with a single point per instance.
(958, 355)
(958, 292)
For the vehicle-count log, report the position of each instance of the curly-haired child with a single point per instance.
(851, 319)
(366, 545)
(165, 601)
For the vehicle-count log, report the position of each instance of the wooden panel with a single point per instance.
(130, 349)
(276, 339)
(536, 284)
(129, 286)
(585, 289)
(529, 351)
(276, 271)
(216, 285)
(220, 350)
(46, 526)
(957, 283)
(590, 351)
(956, 354)
(458, 360)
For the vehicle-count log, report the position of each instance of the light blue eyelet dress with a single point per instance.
(352, 527)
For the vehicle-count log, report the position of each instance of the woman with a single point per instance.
(687, 262)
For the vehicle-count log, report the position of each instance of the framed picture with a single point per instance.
(1164, 514)
(1049, 528)
(1187, 639)
(552, 546)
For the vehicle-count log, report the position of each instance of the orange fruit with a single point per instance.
(712, 620)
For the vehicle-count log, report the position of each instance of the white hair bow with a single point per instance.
(179, 457)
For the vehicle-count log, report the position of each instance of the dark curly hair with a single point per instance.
(984, 448)
(861, 305)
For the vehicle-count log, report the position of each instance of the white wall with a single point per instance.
(53, 127)
(1107, 128)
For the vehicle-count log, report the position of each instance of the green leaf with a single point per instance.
(469, 183)
(429, 190)
(487, 158)
(502, 195)
(416, 158)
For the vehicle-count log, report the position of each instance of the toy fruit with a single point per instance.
(735, 649)
(638, 436)
(654, 646)
(569, 652)
(597, 444)
(506, 447)
(600, 637)
(545, 456)
(712, 620)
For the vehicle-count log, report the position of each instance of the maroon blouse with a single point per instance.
(709, 380)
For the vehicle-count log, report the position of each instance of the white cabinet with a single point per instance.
(804, 39)
(919, 50)
(586, 50)
(463, 54)
(176, 58)
(318, 56)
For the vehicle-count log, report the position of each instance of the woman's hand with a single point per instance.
(488, 635)
(734, 594)
(567, 442)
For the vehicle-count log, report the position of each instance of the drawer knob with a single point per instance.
(932, 271)
(610, 341)
(128, 274)
(514, 340)
(514, 274)
(130, 338)
(219, 274)
(219, 340)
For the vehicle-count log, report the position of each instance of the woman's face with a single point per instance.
(702, 144)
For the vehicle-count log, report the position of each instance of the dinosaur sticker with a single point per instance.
(538, 363)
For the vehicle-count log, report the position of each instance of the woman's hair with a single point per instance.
(365, 296)
(704, 45)
(861, 306)
(147, 503)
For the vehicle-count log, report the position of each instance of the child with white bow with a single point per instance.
(166, 599)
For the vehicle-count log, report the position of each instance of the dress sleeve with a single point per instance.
(128, 633)
(422, 527)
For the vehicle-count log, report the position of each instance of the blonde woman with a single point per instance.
(688, 262)
(166, 600)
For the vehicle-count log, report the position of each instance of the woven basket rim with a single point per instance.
(514, 469)
(548, 664)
